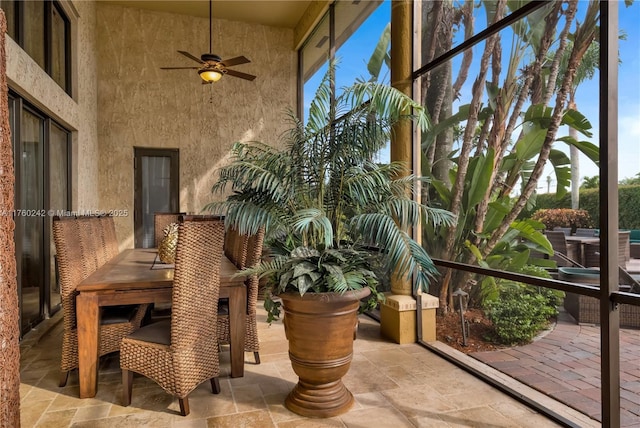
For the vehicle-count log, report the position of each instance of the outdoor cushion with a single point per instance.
(118, 314)
(158, 332)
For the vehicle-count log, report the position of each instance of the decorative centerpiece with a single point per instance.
(168, 245)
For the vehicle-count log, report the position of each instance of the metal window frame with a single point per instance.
(49, 7)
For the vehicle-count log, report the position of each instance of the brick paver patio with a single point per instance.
(565, 364)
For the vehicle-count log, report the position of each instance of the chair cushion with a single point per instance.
(118, 314)
(158, 332)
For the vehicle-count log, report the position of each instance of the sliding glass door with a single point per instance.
(41, 161)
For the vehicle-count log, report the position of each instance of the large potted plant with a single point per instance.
(329, 211)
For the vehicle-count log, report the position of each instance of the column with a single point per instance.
(398, 312)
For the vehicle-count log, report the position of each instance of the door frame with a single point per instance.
(174, 184)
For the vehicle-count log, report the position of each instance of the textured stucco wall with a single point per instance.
(77, 114)
(140, 105)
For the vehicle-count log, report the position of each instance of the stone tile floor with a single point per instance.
(565, 364)
(394, 386)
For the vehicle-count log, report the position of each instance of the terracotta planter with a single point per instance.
(320, 328)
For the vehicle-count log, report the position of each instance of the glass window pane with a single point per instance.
(58, 168)
(58, 47)
(156, 196)
(629, 98)
(9, 7)
(359, 27)
(314, 61)
(58, 194)
(456, 21)
(494, 145)
(34, 23)
(31, 191)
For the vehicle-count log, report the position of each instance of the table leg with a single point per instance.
(237, 320)
(88, 318)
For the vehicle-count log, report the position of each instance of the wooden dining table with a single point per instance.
(133, 277)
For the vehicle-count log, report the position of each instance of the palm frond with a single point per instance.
(266, 268)
(320, 108)
(248, 218)
(314, 224)
(405, 211)
(403, 255)
(387, 102)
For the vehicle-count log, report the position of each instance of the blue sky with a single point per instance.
(628, 98)
(355, 53)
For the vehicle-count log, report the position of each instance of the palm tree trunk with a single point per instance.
(575, 172)
(562, 96)
(9, 324)
(574, 154)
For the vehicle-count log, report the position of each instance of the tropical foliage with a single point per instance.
(591, 182)
(631, 181)
(327, 208)
(487, 155)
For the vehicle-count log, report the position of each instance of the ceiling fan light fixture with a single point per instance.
(210, 75)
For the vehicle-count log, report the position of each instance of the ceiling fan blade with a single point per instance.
(188, 55)
(179, 68)
(235, 61)
(240, 74)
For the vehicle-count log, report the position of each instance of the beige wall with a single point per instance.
(77, 114)
(140, 105)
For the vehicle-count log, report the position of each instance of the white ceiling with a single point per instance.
(281, 13)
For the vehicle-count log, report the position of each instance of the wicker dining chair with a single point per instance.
(108, 236)
(74, 265)
(181, 353)
(160, 221)
(161, 311)
(253, 245)
(592, 251)
(560, 245)
(93, 253)
(235, 247)
(99, 233)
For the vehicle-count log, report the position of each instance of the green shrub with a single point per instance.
(518, 316)
(628, 197)
(553, 298)
(629, 208)
(590, 201)
(519, 311)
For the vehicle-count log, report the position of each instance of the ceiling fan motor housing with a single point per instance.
(210, 57)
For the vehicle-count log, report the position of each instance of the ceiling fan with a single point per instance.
(212, 67)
